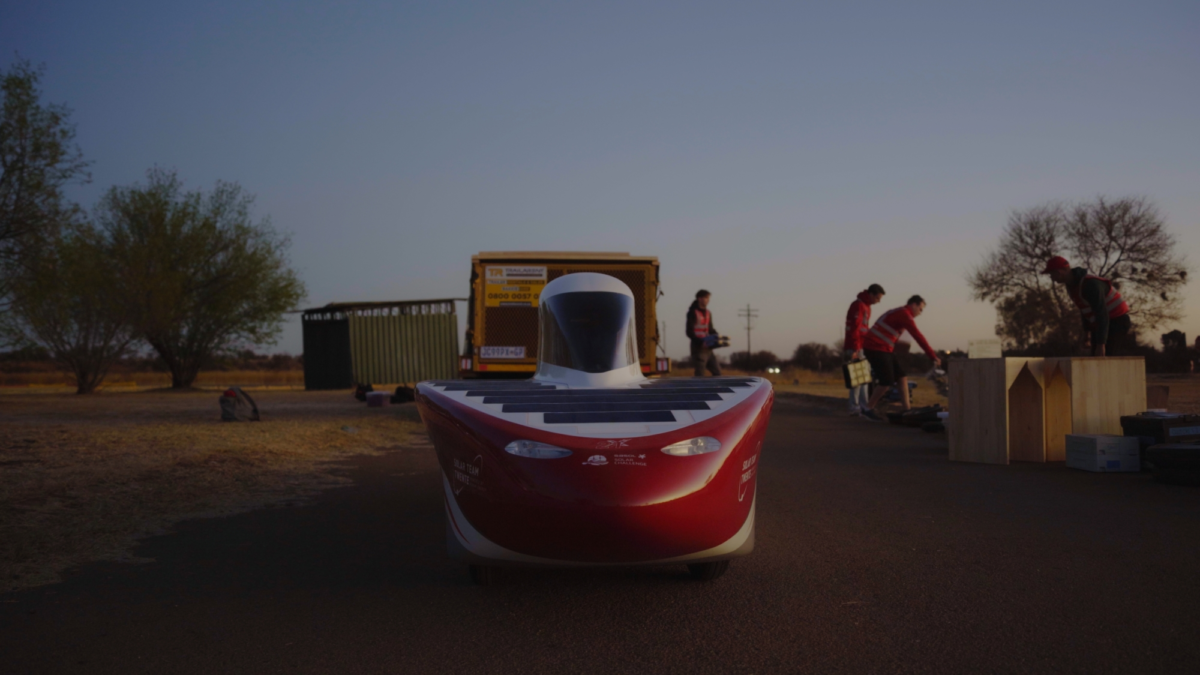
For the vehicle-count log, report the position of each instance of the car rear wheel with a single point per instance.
(708, 571)
(484, 575)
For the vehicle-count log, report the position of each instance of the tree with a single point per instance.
(816, 356)
(1125, 241)
(199, 276)
(65, 300)
(38, 156)
(758, 361)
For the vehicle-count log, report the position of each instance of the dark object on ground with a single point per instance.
(1155, 429)
(916, 417)
(485, 575)
(934, 427)
(708, 571)
(1175, 463)
(361, 391)
(237, 406)
(404, 395)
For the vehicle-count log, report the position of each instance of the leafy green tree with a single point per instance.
(38, 156)
(1123, 240)
(65, 300)
(200, 277)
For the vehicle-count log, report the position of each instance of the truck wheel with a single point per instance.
(708, 571)
(484, 575)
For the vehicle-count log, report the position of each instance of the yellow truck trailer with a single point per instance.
(502, 319)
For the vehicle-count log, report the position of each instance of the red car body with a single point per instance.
(617, 499)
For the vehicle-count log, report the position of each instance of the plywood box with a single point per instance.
(997, 410)
(1088, 395)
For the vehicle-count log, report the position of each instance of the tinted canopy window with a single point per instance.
(590, 331)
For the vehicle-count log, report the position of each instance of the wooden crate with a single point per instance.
(1088, 395)
(997, 411)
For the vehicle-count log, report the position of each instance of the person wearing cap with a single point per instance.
(879, 346)
(858, 322)
(699, 326)
(1106, 324)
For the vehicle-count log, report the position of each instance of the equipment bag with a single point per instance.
(237, 406)
(856, 373)
(1175, 463)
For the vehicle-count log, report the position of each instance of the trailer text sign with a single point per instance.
(513, 285)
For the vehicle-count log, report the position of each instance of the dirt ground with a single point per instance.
(83, 477)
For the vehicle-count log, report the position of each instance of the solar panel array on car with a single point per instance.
(652, 402)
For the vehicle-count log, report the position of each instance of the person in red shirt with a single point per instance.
(858, 322)
(879, 346)
(1107, 327)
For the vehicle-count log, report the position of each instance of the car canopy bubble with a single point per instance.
(586, 323)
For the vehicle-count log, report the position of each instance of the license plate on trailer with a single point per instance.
(501, 352)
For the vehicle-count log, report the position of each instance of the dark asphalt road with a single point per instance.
(874, 554)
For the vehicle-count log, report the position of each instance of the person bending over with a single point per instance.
(879, 346)
(1107, 328)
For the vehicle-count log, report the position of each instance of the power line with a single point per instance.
(749, 314)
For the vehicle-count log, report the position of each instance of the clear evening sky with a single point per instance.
(781, 154)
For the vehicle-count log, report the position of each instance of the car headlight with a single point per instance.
(693, 446)
(536, 450)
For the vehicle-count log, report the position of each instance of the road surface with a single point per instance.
(874, 554)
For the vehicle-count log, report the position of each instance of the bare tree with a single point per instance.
(1125, 241)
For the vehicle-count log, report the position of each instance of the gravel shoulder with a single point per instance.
(83, 478)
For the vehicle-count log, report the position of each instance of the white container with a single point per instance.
(1103, 452)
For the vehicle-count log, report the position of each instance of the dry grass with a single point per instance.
(1185, 391)
(54, 382)
(83, 477)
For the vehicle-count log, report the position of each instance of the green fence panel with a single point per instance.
(393, 347)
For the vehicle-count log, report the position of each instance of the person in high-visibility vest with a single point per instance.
(879, 346)
(1107, 327)
(699, 326)
(858, 322)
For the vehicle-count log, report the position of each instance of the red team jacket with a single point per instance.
(886, 332)
(858, 322)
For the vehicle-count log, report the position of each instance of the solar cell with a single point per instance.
(608, 417)
(602, 407)
(600, 398)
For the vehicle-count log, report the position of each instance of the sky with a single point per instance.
(780, 154)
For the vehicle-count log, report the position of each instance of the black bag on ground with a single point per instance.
(404, 395)
(1175, 463)
(916, 417)
(361, 391)
(237, 406)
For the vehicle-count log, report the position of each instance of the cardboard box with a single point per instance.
(1103, 452)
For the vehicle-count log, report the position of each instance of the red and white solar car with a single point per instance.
(589, 463)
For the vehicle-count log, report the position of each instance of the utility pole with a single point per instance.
(749, 313)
